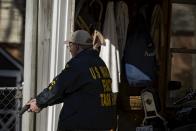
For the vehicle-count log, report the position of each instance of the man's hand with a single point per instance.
(33, 106)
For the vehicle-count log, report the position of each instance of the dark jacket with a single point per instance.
(84, 86)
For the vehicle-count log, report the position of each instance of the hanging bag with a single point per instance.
(139, 55)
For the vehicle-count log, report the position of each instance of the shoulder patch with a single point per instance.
(66, 66)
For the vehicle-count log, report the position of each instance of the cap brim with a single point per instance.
(67, 42)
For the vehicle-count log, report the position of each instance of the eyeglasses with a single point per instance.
(70, 44)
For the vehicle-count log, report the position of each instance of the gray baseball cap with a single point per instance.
(81, 37)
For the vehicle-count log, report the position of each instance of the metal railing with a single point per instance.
(10, 104)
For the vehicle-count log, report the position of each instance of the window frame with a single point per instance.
(183, 2)
(176, 50)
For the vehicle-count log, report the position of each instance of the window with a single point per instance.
(182, 49)
(11, 21)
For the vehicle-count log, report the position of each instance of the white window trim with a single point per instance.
(62, 27)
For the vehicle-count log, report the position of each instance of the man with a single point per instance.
(84, 86)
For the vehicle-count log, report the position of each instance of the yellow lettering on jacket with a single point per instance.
(52, 84)
(93, 74)
(106, 85)
(97, 72)
(106, 99)
(104, 71)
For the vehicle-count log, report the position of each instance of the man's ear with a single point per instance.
(77, 47)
